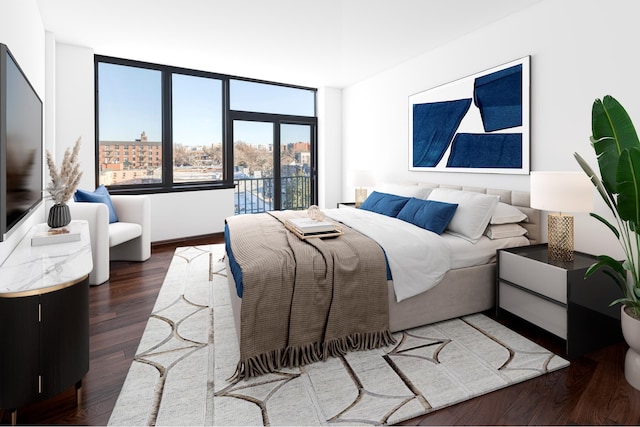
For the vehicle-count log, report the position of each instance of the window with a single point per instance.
(197, 129)
(273, 132)
(269, 98)
(169, 123)
(161, 128)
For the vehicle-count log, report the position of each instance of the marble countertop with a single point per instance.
(31, 270)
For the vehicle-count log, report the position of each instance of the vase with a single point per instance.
(59, 215)
(631, 333)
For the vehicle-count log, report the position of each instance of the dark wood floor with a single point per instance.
(592, 391)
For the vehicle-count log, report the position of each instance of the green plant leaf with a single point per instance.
(614, 264)
(635, 306)
(607, 155)
(612, 132)
(617, 148)
(616, 271)
(607, 223)
(628, 178)
(618, 281)
(595, 180)
(624, 301)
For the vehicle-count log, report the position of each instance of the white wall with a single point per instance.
(22, 31)
(74, 107)
(580, 50)
(329, 146)
(189, 213)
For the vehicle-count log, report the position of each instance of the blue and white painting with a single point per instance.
(476, 124)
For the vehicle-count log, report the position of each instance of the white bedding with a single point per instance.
(467, 254)
(418, 258)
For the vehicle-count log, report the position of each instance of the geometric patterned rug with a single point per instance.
(429, 368)
(169, 382)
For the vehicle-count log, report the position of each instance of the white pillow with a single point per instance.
(405, 190)
(473, 213)
(502, 231)
(506, 214)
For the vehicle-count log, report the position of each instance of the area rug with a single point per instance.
(178, 379)
(170, 381)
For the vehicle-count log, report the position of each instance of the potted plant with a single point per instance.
(617, 148)
(62, 186)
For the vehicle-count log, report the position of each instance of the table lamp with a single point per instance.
(361, 179)
(561, 192)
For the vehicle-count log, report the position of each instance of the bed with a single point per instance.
(466, 286)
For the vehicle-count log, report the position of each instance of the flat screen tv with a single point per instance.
(21, 162)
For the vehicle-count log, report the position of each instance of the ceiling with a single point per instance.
(311, 43)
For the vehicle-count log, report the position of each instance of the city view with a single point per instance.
(140, 162)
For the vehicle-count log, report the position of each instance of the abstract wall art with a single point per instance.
(479, 123)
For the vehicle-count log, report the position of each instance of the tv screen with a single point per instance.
(20, 144)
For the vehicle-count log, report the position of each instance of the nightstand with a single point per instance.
(346, 205)
(555, 296)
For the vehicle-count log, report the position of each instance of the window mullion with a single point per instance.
(277, 170)
(167, 130)
(227, 133)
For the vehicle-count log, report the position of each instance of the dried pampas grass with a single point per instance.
(64, 182)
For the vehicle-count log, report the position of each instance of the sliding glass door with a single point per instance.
(295, 166)
(272, 165)
(253, 171)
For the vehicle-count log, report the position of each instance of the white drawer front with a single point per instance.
(538, 311)
(540, 277)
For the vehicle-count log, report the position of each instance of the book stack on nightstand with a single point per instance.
(555, 296)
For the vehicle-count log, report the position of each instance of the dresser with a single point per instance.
(44, 319)
(555, 296)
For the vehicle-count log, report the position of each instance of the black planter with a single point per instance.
(59, 215)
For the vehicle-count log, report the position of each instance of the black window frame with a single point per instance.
(167, 185)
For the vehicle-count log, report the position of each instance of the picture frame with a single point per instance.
(478, 124)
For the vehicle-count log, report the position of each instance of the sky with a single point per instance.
(130, 103)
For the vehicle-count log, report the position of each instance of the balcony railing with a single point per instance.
(255, 195)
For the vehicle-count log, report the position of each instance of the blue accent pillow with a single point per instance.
(383, 203)
(428, 214)
(101, 195)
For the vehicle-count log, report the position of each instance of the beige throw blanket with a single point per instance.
(305, 300)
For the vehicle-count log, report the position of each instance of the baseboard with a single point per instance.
(190, 241)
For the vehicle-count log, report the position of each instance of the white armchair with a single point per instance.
(129, 239)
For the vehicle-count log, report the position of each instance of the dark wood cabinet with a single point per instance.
(45, 343)
(44, 319)
(19, 358)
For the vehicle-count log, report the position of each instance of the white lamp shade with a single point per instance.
(561, 191)
(361, 178)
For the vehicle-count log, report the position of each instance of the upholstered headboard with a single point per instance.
(519, 199)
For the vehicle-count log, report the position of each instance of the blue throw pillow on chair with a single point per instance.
(100, 195)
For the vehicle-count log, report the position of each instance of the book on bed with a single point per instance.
(308, 227)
